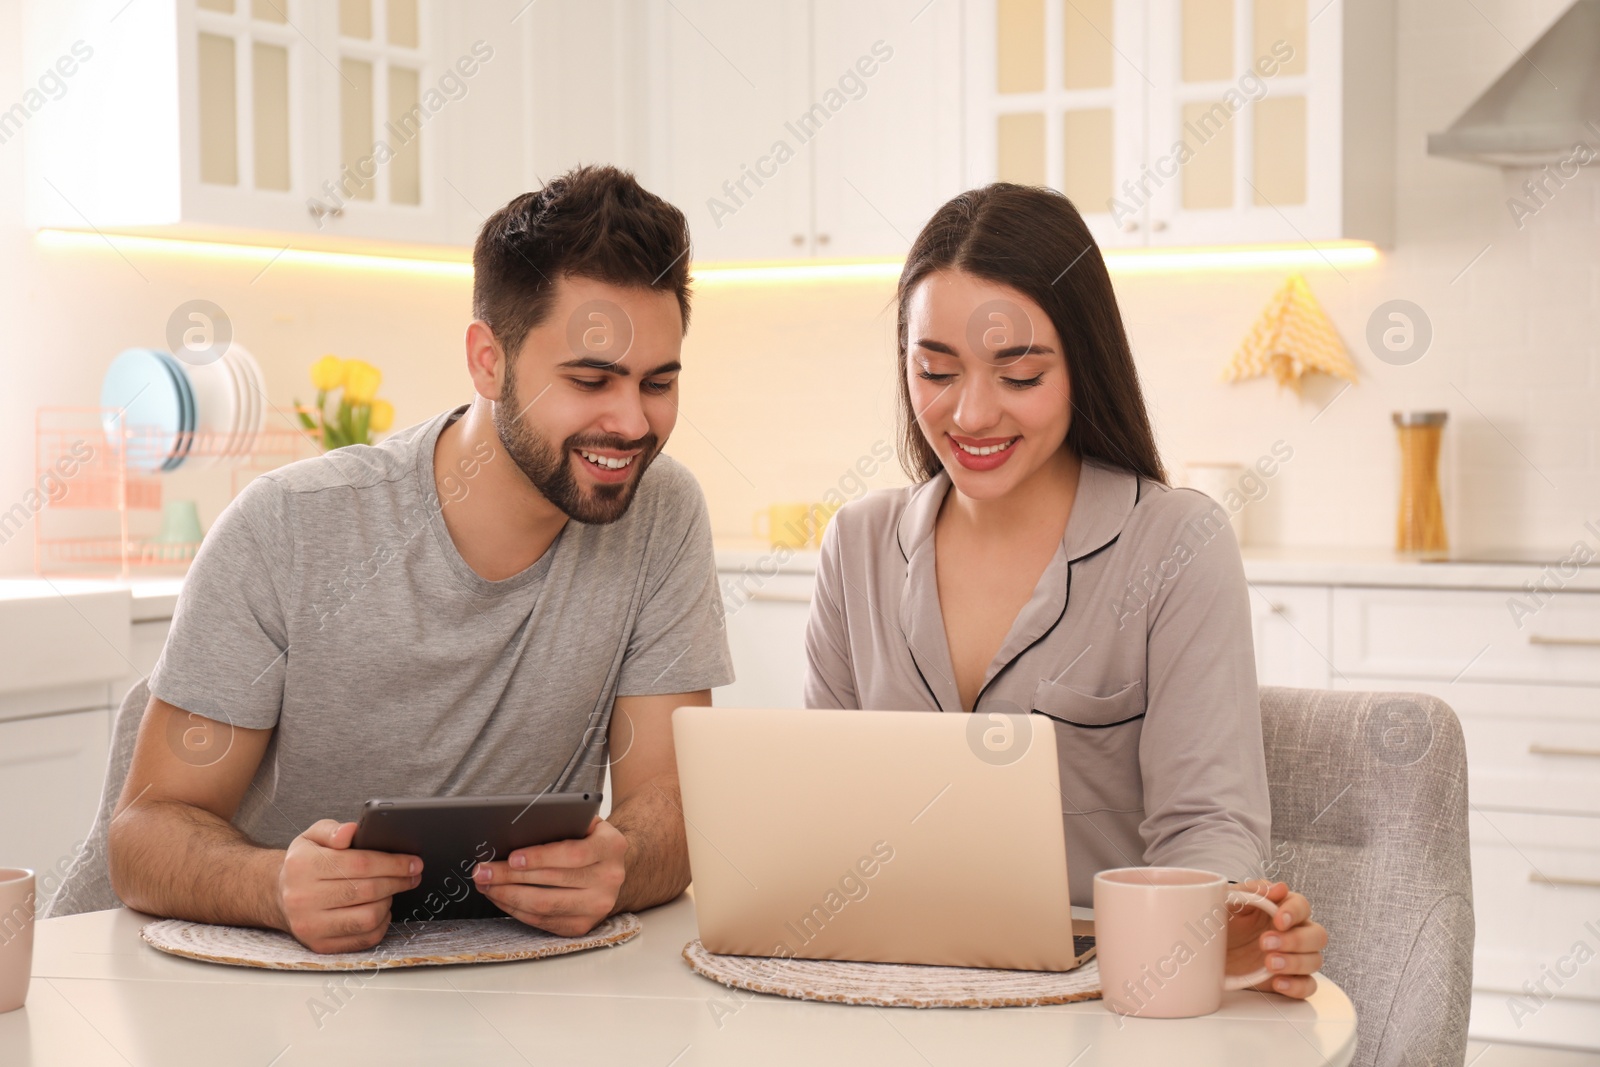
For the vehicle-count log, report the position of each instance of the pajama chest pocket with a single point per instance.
(1097, 745)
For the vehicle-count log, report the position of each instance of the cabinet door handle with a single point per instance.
(798, 239)
(1158, 226)
(1537, 749)
(1130, 226)
(1544, 879)
(1278, 609)
(1581, 642)
(822, 238)
(319, 210)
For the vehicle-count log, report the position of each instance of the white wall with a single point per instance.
(787, 386)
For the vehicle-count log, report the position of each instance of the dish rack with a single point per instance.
(89, 494)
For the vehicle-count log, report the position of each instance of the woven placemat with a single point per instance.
(895, 985)
(428, 944)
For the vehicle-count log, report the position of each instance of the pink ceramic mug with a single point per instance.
(1161, 936)
(16, 936)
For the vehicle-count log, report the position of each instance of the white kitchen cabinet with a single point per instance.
(1290, 625)
(732, 79)
(55, 640)
(1470, 635)
(144, 649)
(890, 156)
(1187, 122)
(766, 620)
(1056, 96)
(1536, 889)
(386, 91)
(807, 128)
(61, 650)
(246, 150)
(51, 770)
(328, 121)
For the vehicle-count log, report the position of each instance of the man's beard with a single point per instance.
(550, 469)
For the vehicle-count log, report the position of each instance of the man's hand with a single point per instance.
(334, 898)
(1288, 944)
(565, 887)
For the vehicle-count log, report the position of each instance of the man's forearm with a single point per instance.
(176, 860)
(657, 860)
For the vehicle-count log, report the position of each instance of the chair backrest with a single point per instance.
(87, 883)
(1369, 821)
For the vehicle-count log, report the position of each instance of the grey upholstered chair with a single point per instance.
(1369, 821)
(87, 884)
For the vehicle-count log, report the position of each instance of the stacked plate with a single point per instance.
(160, 412)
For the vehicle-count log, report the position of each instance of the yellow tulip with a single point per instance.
(361, 381)
(327, 373)
(382, 416)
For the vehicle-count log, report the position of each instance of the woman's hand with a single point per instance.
(1288, 944)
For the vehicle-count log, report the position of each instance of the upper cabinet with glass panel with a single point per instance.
(380, 65)
(315, 117)
(243, 129)
(1184, 122)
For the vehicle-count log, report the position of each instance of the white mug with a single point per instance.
(1161, 936)
(16, 936)
(1217, 481)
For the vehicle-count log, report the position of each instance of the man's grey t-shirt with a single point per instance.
(329, 604)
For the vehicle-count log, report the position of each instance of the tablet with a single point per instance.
(452, 835)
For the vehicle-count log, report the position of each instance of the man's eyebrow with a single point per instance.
(615, 367)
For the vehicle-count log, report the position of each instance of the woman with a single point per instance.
(1041, 564)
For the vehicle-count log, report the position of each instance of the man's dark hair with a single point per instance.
(593, 222)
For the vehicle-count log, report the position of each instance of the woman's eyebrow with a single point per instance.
(1014, 352)
(1018, 351)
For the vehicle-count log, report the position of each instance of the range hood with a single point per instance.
(1544, 104)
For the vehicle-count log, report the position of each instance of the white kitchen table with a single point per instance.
(100, 995)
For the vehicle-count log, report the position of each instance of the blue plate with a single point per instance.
(189, 413)
(181, 441)
(149, 405)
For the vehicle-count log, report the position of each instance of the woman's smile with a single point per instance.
(981, 453)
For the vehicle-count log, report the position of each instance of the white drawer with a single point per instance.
(69, 639)
(1472, 635)
(51, 771)
(766, 618)
(1529, 747)
(1290, 624)
(1536, 895)
(144, 649)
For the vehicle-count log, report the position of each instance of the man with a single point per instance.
(489, 602)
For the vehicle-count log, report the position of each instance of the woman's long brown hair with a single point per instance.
(1034, 241)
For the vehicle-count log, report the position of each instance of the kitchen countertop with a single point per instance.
(152, 599)
(100, 995)
(1381, 567)
(1287, 566)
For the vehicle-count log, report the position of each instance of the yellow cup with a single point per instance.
(786, 525)
(822, 514)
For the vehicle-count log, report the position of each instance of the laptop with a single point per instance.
(881, 836)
